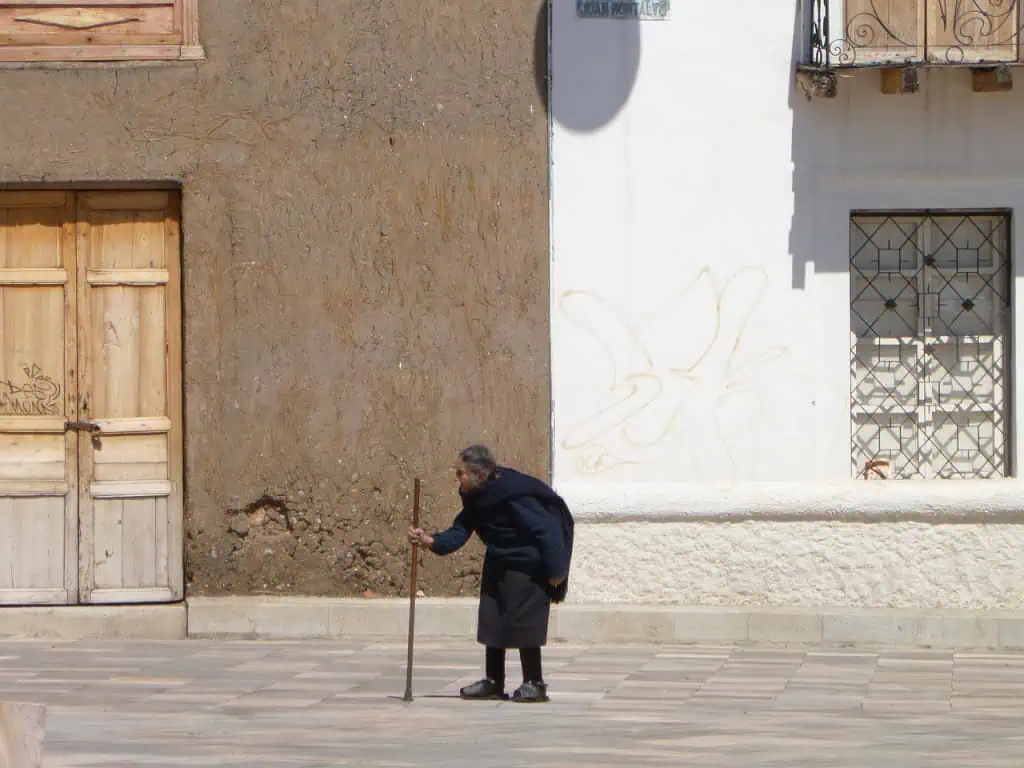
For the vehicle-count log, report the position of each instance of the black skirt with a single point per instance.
(514, 609)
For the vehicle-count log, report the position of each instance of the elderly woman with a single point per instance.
(528, 531)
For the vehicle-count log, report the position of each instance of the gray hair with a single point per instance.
(479, 461)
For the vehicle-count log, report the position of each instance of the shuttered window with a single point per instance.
(931, 31)
(99, 30)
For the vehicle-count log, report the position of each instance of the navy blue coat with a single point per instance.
(512, 515)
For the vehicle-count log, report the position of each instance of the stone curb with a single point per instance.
(298, 618)
(307, 618)
(83, 622)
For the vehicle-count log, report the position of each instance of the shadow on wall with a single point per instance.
(597, 60)
(815, 123)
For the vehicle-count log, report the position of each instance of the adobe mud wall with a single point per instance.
(365, 267)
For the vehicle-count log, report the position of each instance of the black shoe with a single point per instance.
(531, 693)
(483, 690)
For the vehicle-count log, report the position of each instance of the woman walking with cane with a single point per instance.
(528, 531)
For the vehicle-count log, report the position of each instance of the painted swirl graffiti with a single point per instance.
(673, 376)
(38, 396)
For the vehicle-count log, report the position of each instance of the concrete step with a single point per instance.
(312, 617)
(297, 618)
(82, 622)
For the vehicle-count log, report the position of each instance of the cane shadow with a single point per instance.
(596, 61)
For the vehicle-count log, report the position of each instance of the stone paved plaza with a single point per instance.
(271, 705)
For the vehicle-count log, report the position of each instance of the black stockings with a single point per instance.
(528, 657)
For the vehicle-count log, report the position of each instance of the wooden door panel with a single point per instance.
(32, 231)
(38, 393)
(114, 322)
(128, 239)
(32, 340)
(33, 456)
(131, 542)
(133, 457)
(133, 534)
(35, 525)
(130, 367)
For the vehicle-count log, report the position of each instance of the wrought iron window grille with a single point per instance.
(930, 310)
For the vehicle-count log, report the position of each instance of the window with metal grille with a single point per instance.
(930, 325)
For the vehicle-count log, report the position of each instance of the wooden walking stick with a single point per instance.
(412, 590)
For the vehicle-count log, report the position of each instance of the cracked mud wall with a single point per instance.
(365, 267)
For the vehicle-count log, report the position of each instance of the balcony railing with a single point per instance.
(859, 33)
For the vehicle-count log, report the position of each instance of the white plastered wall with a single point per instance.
(700, 316)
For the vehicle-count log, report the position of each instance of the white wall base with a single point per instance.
(908, 565)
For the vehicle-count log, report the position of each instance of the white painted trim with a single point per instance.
(878, 501)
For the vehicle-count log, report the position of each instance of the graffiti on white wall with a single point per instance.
(680, 378)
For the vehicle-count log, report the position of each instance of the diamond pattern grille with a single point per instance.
(930, 298)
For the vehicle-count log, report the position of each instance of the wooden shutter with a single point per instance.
(98, 30)
(883, 30)
(973, 32)
(894, 31)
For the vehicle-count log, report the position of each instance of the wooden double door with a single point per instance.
(90, 397)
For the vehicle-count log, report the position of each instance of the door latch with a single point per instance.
(81, 426)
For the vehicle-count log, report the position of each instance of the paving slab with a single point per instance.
(337, 703)
(21, 734)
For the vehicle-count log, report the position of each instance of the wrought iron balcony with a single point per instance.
(888, 33)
